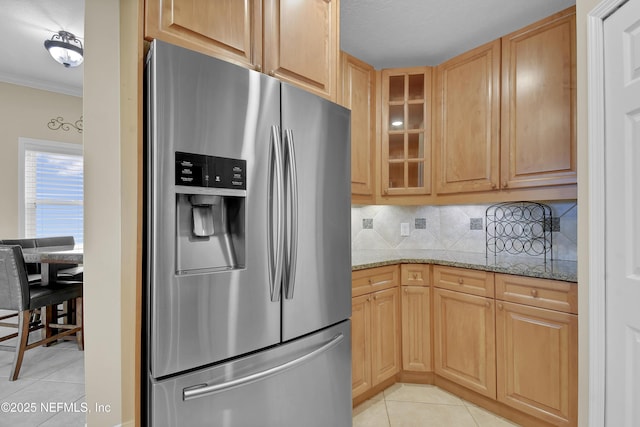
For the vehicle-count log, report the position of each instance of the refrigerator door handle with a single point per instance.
(276, 182)
(293, 228)
(202, 390)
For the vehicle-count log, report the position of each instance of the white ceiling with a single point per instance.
(24, 26)
(407, 33)
(383, 33)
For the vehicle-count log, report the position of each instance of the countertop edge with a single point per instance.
(562, 276)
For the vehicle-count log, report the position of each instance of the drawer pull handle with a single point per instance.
(370, 281)
(534, 293)
(460, 281)
(415, 275)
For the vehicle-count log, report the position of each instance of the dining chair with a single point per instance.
(33, 268)
(70, 271)
(16, 294)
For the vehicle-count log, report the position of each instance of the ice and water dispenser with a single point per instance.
(210, 213)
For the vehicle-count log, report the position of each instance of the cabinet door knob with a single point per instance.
(370, 281)
(415, 275)
(493, 186)
(460, 280)
(375, 297)
(487, 304)
(505, 184)
(534, 293)
(500, 306)
(259, 68)
(272, 73)
(406, 290)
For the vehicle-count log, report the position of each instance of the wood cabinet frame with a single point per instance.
(467, 121)
(302, 49)
(537, 147)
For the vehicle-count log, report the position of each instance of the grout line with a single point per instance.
(472, 417)
(386, 409)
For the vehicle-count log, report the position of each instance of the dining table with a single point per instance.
(53, 258)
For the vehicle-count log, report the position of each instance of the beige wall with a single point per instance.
(25, 112)
(111, 117)
(583, 7)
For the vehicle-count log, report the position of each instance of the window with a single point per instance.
(51, 189)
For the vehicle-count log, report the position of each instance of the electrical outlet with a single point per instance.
(404, 229)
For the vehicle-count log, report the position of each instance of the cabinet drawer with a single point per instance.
(474, 282)
(414, 275)
(374, 279)
(543, 293)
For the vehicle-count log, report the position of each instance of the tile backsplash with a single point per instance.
(457, 227)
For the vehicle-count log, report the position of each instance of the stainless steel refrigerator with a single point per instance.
(247, 248)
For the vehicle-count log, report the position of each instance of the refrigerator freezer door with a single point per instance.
(318, 293)
(306, 382)
(198, 104)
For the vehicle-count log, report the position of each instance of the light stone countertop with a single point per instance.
(518, 265)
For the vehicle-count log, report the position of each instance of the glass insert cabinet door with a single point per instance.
(406, 131)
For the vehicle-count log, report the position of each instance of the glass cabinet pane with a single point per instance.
(416, 146)
(406, 127)
(416, 86)
(396, 88)
(396, 146)
(416, 116)
(396, 175)
(416, 177)
(396, 117)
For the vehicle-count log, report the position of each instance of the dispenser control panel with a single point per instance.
(197, 170)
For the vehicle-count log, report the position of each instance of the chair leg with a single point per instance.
(79, 316)
(48, 319)
(23, 337)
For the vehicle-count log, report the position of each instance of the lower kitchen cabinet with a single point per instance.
(464, 340)
(360, 344)
(415, 281)
(537, 347)
(385, 335)
(416, 329)
(375, 328)
(510, 342)
(537, 360)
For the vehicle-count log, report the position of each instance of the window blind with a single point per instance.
(53, 192)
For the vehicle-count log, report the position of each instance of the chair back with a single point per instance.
(55, 241)
(14, 283)
(32, 267)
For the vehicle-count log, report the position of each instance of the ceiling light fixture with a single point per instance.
(65, 48)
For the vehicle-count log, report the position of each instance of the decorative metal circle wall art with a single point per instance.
(59, 123)
(519, 228)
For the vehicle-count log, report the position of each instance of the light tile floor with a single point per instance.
(415, 405)
(49, 391)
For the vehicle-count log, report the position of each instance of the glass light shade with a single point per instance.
(63, 50)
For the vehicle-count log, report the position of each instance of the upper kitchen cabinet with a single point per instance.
(358, 94)
(227, 29)
(301, 43)
(467, 121)
(538, 140)
(295, 41)
(406, 131)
